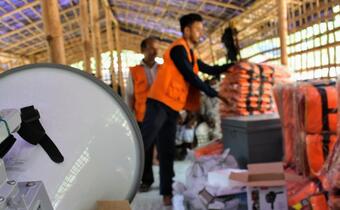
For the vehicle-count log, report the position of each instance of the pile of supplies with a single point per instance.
(248, 87)
(308, 112)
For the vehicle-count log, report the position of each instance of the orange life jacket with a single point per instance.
(320, 108)
(141, 88)
(170, 87)
(248, 87)
(304, 193)
(318, 147)
(318, 202)
(213, 148)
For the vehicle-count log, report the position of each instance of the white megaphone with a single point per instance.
(90, 126)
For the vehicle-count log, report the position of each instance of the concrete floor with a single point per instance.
(152, 200)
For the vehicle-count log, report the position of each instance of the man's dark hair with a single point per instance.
(189, 19)
(145, 42)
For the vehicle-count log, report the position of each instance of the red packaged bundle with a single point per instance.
(214, 148)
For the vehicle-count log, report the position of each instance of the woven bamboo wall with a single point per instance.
(313, 41)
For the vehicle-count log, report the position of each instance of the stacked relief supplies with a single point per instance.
(206, 185)
(308, 112)
(248, 87)
(331, 170)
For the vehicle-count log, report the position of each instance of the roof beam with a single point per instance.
(172, 9)
(40, 35)
(145, 16)
(35, 24)
(225, 5)
(157, 33)
(16, 10)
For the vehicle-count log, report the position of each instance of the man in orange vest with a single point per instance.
(140, 79)
(176, 87)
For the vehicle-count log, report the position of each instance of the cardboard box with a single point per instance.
(113, 205)
(265, 186)
(220, 178)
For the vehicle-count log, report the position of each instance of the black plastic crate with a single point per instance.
(253, 139)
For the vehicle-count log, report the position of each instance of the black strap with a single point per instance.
(273, 83)
(336, 191)
(324, 101)
(250, 89)
(33, 132)
(325, 144)
(259, 103)
(6, 145)
(333, 111)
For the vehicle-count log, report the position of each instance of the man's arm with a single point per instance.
(213, 70)
(179, 56)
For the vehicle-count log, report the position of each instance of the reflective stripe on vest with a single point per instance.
(170, 87)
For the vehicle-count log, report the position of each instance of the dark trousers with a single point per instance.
(159, 126)
(147, 177)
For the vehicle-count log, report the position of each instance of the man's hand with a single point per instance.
(223, 98)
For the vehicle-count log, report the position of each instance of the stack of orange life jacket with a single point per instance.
(308, 113)
(318, 116)
(306, 194)
(248, 87)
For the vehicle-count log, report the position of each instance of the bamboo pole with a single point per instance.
(110, 45)
(32, 59)
(53, 30)
(283, 30)
(85, 34)
(119, 55)
(118, 49)
(212, 50)
(96, 39)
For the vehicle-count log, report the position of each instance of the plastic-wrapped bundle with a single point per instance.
(248, 87)
(320, 107)
(306, 195)
(284, 98)
(213, 148)
(316, 108)
(317, 148)
(331, 170)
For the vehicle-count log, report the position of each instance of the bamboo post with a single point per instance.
(118, 49)
(283, 30)
(212, 50)
(53, 30)
(85, 34)
(110, 45)
(96, 41)
(32, 59)
(119, 52)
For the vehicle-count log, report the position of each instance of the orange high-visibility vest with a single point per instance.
(141, 88)
(170, 87)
